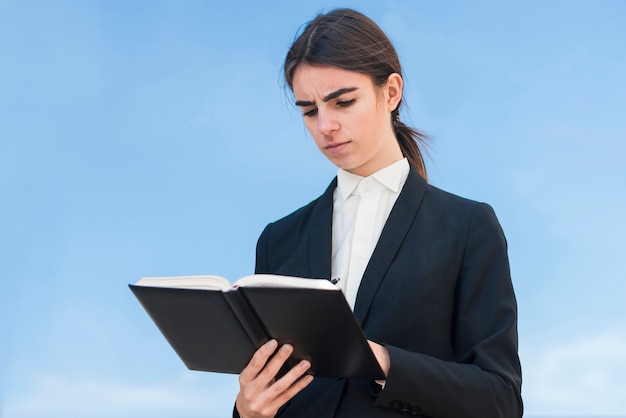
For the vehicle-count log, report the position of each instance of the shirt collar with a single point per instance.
(392, 177)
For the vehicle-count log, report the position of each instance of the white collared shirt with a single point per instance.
(361, 206)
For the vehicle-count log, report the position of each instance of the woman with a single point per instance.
(426, 272)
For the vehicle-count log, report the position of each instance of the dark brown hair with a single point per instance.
(347, 39)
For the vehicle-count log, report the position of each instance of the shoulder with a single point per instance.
(472, 220)
(439, 203)
(298, 222)
(298, 218)
(284, 246)
(449, 213)
(455, 203)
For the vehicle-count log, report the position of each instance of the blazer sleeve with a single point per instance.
(484, 378)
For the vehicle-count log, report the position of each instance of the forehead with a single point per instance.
(310, 81)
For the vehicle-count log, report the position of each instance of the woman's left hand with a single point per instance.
(382, 355)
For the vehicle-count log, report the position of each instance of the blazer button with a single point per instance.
(396, 405)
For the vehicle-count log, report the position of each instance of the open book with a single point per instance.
(221, 283)
(215, 326)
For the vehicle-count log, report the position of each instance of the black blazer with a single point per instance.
(437, 292)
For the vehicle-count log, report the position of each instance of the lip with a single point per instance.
(336, 148)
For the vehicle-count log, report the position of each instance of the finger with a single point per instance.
(261, 396)
(294, 389)
(258, 361)
(284, 383)
(291, 384)
(274, 365)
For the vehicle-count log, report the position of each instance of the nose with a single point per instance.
(326, 123)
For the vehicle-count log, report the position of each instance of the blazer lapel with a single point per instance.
(320, 241)
(400, 219)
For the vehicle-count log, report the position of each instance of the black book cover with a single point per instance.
(219, 331)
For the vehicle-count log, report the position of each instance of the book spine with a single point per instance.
(247, 304)
(246, 316)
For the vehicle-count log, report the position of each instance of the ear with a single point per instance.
(394, 91)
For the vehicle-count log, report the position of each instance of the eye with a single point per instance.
(309, 113)
(345, 103)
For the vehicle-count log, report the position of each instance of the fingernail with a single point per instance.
(271, 344)
(304, 364)
(285, 349)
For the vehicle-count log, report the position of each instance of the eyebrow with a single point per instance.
(330, 96)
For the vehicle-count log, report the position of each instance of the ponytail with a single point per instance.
(410, 141)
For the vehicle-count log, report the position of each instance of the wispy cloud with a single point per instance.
(190, 395)
(577, 376)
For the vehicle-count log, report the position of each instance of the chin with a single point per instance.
(340, 163)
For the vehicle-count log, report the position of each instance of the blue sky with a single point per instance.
(155, 138)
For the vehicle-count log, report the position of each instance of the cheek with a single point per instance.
(366, 117)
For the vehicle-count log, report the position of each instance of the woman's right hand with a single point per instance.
(260, 394)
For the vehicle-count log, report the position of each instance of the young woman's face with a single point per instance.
(349, 117)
